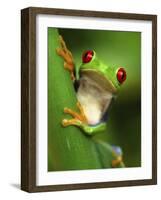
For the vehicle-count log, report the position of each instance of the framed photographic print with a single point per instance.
(88, 99)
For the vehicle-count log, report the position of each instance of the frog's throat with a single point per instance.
(101, 79)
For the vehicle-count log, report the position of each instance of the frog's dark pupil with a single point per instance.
(122, 75)
(86, 55)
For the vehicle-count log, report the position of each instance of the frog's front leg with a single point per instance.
(78, 119)
(64, 52)
(81, 121)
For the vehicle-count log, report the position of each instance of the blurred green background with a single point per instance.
(122, 49)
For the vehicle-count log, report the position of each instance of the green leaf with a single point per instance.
(68, 148)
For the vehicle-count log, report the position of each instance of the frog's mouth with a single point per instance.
(100, 79)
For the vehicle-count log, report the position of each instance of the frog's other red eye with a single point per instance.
(121, 75)
(87, 56)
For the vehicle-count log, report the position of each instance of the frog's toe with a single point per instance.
(65, 122)
(66, 110)
(68, 122)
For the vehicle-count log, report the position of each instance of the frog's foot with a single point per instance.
(78, 118)
(64, 52)
(116, 161)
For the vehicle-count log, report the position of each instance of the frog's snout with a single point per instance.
(121, 75)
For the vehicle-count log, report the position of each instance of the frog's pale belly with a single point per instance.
(93, 99)
(91, 107)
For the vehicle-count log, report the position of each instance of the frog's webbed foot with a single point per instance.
(64, 52)
(78, 118)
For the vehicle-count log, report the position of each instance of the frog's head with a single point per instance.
(111, 78)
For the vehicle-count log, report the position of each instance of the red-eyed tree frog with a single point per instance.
(96, 84)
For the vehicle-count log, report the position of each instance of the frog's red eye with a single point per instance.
(87, 56)
(121, 75)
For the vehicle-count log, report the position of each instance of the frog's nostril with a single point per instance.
(87, 56)
(121, 75)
